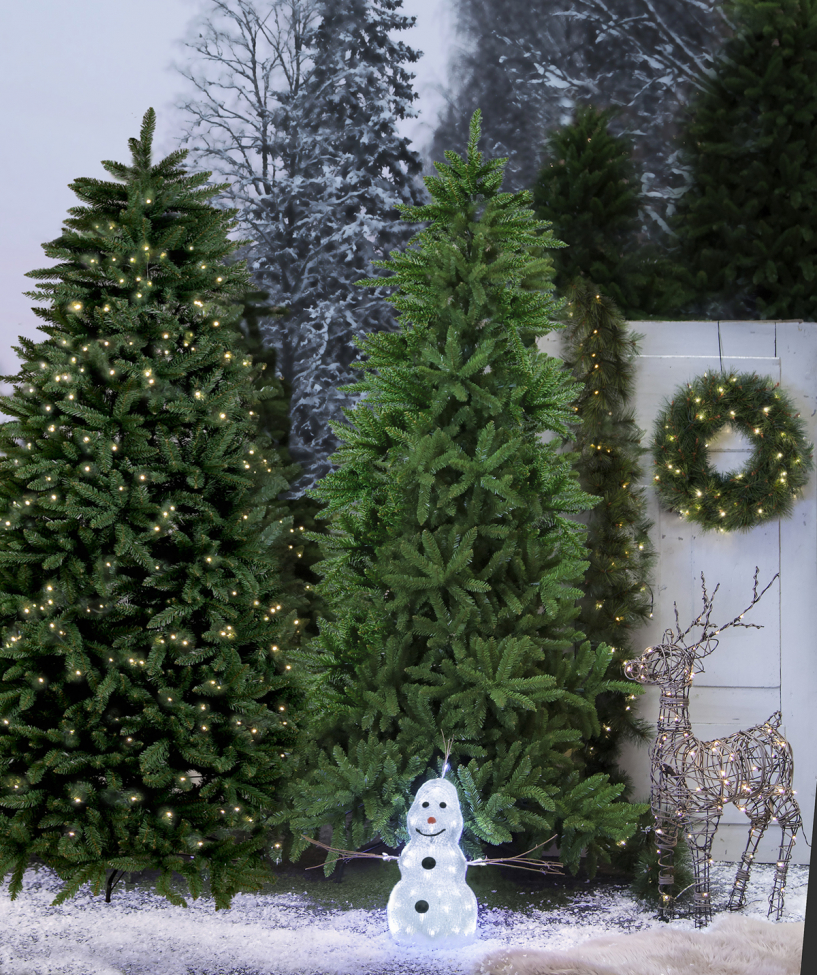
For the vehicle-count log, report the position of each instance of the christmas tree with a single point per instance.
(147, 709)
(600, 351)
(590, 191)
(452, 560)
(273, 410)
(747, 221)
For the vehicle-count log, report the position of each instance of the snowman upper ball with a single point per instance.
(432, 904)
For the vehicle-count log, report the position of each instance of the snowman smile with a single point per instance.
(430, 834)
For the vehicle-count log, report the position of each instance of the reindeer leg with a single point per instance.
(759, 822)
(701, 832)
(666, 839)
(787, 813)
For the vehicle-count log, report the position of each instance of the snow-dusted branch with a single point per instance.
(297, 107)
(528, 66)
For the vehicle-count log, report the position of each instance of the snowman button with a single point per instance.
(421, 907)
(429, 863)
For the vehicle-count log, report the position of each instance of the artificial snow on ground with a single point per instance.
(139, 933)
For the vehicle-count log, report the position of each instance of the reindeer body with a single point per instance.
(692, 780)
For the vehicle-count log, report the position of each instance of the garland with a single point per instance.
(765, 487)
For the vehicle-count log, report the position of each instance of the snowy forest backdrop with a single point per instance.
(524, 65)
(255, 122)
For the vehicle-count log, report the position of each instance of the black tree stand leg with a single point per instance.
(112, 881)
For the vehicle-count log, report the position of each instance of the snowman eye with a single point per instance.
(425, 804)
(442, 805)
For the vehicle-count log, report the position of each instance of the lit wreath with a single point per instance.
(765, 487)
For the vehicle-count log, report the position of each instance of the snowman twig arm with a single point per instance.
(522, 862)
(346, 854)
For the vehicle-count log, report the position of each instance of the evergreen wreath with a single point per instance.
(765, 487)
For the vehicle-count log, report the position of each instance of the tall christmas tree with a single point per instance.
(600, 352)
(747, 221)
(147, 708)
(590, 190)
(452, 560)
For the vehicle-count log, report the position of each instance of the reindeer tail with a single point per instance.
(775, 720)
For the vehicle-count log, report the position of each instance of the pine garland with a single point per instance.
(765, 488)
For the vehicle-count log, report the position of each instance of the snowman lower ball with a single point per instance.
(431, 904)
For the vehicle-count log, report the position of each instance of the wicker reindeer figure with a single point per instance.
(692, 780)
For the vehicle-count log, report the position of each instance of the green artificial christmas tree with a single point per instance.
(452, 560)
(273, 410)
(589, 190)
(747, 222)
(147, 708)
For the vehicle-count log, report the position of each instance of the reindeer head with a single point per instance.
(669, 664)
(674, 662)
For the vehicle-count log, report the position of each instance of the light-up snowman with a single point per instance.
(432, 904)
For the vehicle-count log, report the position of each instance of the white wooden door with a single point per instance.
(753, 672)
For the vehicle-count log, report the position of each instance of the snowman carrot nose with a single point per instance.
(431, 819)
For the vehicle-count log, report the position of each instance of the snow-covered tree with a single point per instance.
(527, 64)
(253, 61)
(316, 167)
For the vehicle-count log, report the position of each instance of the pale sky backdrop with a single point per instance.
(77, 78)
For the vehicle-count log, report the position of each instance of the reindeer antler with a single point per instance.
(756, 597)
(703, 615)
(703, 618)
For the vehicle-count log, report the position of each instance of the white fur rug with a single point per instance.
(733, 945)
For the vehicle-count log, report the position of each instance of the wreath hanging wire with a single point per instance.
(765, 487)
